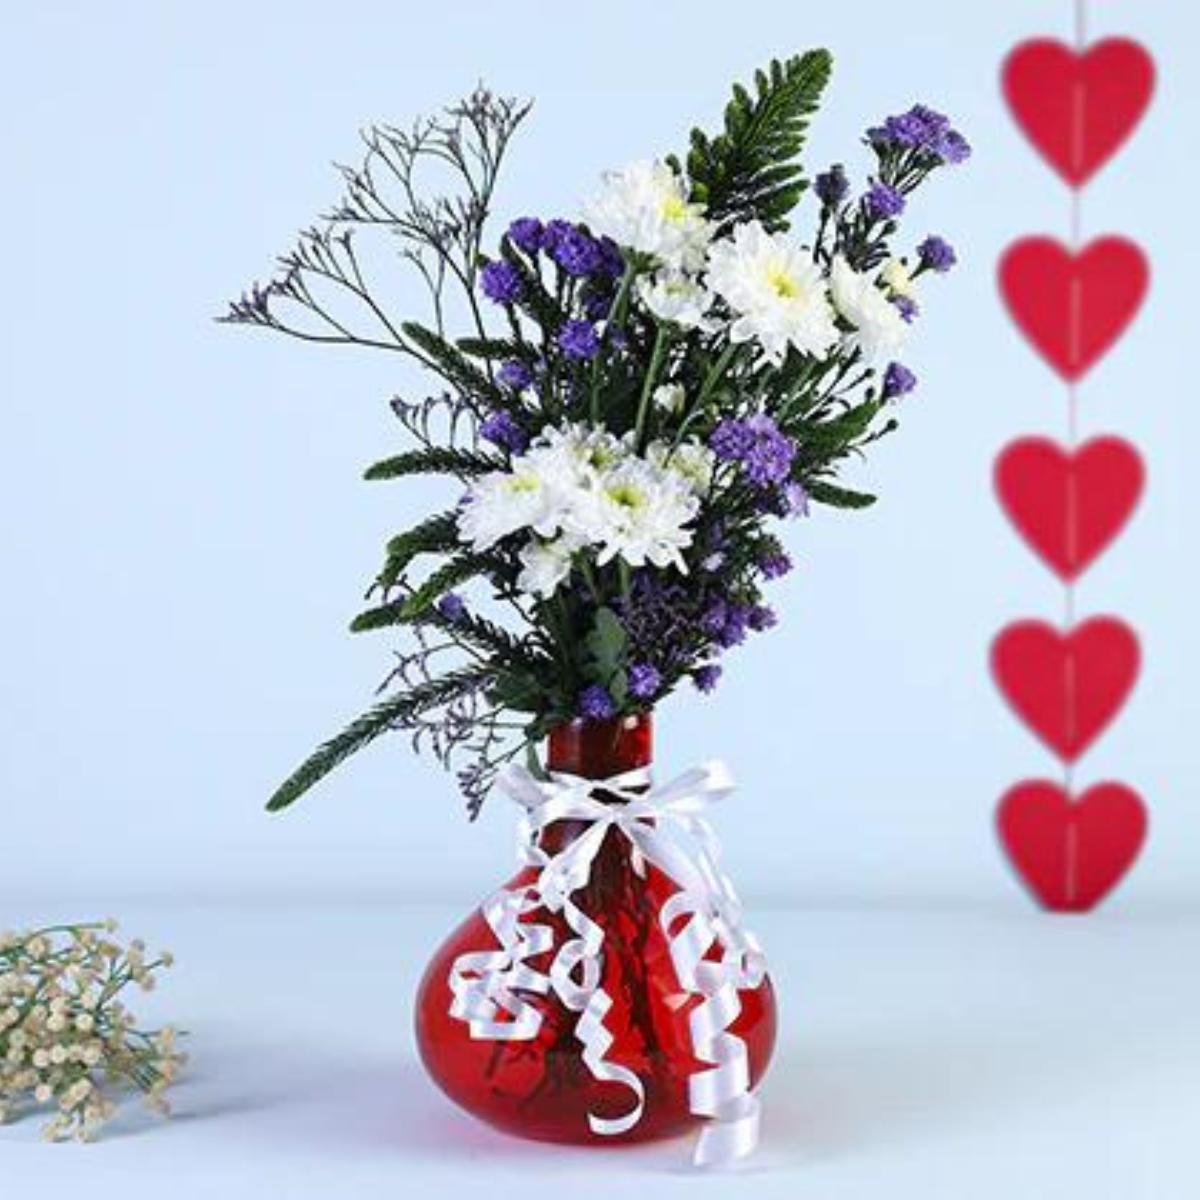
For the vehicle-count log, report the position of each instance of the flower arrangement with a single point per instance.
(66, 1038)
(642, 395)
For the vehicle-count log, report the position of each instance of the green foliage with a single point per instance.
(451, 363)
(456, 571)
(435, 535)
(605, 647)
(434, 460)
(750, 170)
(387, 714)
(468, 629)
(837, 497)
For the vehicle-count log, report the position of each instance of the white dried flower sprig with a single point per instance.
(65, 1037)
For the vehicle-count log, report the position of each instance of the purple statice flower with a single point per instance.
(577, 252)
(775, 565)
(579, 340)
(898, 380)
(794, 499)
(705, 678)
(936, 254)
(644, 680)
(762, 616)
(597, 305)
(501, 282)
(595, 704)
(832, 187)
(713, 562)
(612, 261)
(502, 429)
(526, 233)
(553, 232)
(452, 606)
(952, 147)
(515, 375)
(726, 623)
(921, 128)
(883, 200)
(757, 443)
(907, 306)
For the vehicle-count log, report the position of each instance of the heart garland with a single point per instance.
(1073, 306)
(1071, 851)
(1069, 505)
(1077, 107)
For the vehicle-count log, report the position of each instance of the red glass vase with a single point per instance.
(541, 1088)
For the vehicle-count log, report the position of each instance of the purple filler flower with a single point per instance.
(578, 253)
(936, 254)
(761, 617)
(578, 339)
(909, 309)
(501, 429)
(795, 500)
(595, 704)
(705, 678)
(832, 187)
(526, 233)
(952, 147)
(775, 565)
(883, 200)
(501, 282)
(452, 606)
(763, 450)
(898, 380)
(644, 680)
(515, 375)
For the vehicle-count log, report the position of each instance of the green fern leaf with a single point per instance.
(434, 460)
(747, 172)
(384, 716)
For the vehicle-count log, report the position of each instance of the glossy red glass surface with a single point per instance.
(541, 1088)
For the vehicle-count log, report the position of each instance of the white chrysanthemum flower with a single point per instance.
(897, 278)
(670, 398)
(879, 329)
(545, 564)
(675, 297)
(644, 516)
(775, 291)
(645, 207)
(691, 461)
(501, 503)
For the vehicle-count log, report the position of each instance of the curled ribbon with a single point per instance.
(704, 913)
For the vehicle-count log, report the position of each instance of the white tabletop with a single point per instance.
(923, 1053)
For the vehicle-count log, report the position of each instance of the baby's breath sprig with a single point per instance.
(66, 1039)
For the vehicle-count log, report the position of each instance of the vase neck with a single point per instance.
(601, 749)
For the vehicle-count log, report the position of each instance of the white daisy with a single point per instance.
(691, 461)
(645, 207)
(645, 513)
(775, 290)
(545, 564)
(670, 398)
(879, 329)
(503, 502)
(675, 297)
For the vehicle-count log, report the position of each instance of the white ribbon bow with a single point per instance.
(705, 912)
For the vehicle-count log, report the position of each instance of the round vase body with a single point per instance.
(541, 1087)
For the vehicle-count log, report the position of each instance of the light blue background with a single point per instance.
(184, 534)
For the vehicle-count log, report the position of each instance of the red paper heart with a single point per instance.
(1066, 687)
(1071, 853)
(1073, 306)
(1077, 108)
(1068, 505)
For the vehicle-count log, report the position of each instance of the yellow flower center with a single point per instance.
(627, 495)
(524, 483)
(782, 284)
(674, 208)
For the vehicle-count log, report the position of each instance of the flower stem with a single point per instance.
(656, 358)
